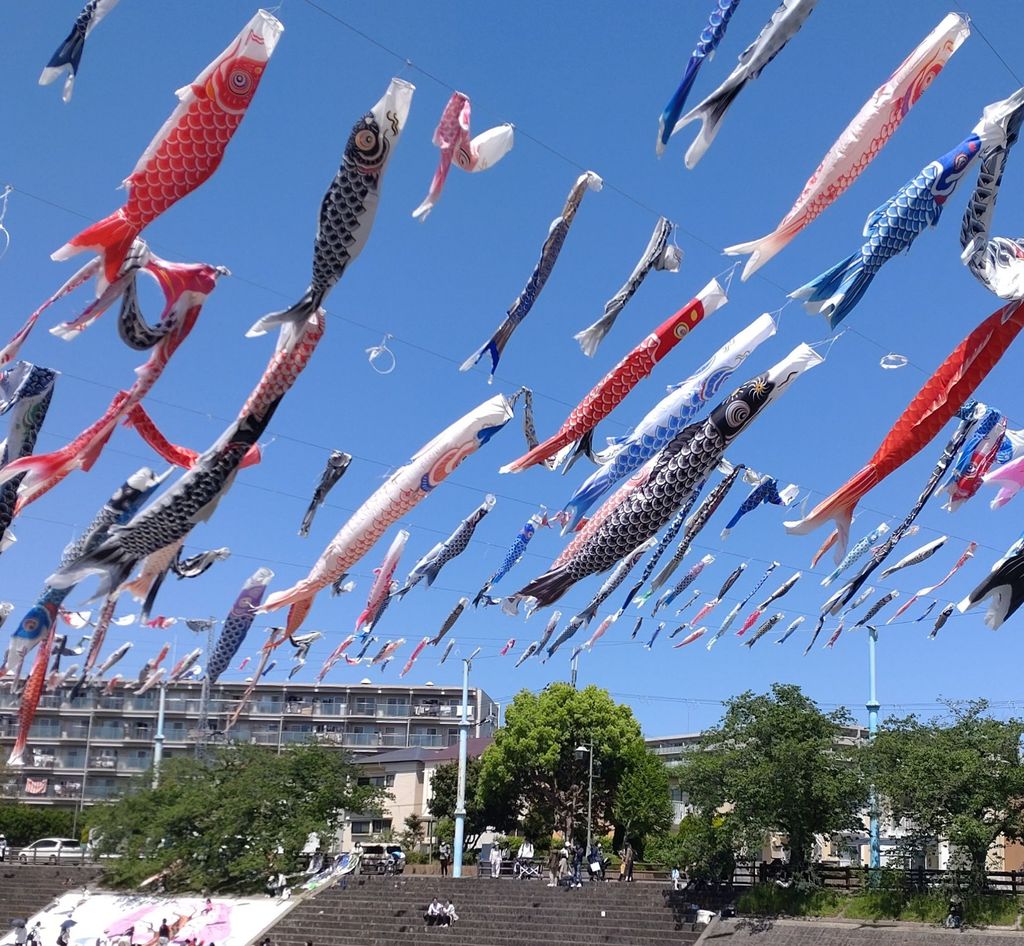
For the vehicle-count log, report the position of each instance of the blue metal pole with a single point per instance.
(874, 837)
(460, 802)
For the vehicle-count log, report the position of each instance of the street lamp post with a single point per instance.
(460, 800)
(874, 832)
(589, 749)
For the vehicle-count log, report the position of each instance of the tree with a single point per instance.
(642, 805)
(23, 824)
(444, 790)
(776, 763)
(532, 769)
(411, 837)
(703, 845)
(226, 822)
(958, 777)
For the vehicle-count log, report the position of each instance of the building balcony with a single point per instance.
(134, 766)
(395, 710)
(442, 711)
(361, 739)
(103, 791)
(43, 762)
(393, 740)
(427, 741)
(331, 709)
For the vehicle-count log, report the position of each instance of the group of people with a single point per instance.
(438, 915)
(565, 865)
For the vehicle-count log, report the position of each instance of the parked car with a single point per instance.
(382, 859)
(51, 850)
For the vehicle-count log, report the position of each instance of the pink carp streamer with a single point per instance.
(861, 140)
(457, 147)
(403, 490)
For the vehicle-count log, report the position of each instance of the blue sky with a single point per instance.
(584, 86)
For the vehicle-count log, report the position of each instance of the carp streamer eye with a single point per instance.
(366, 140)
(240, 82)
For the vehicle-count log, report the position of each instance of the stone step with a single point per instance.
(481, 934)
(381, 910)
(611, 918)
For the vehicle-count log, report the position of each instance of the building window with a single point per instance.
(378, 781)
(371, 826)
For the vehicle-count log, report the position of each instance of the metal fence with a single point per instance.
(910, 879)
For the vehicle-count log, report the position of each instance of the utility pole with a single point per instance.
(589, 749)
(203, 726)
(158, 739)
(460, 801)
(85, 770)
(874, 835)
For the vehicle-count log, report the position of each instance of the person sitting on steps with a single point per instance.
(433, 914)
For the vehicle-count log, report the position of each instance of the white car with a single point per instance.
(51, 850)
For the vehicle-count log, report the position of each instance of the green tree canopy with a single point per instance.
(642, 803)
(776, 764)
(532, 768)
(224, 823)
(704, 846)
(23, 824)
(958, 777)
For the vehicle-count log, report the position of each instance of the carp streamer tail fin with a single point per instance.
(837, 290)
(296, 314)
(112, 237)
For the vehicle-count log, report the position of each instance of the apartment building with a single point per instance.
(87, 749)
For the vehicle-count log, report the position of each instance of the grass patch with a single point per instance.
(769, 900)
(929, 908)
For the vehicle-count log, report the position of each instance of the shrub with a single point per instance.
(23, 824)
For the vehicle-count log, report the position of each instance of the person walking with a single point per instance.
(444, 855)
(563, 863)
(577, 865)
(553, 867)
(496, 862)
(628, 860)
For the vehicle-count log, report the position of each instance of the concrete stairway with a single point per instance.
(26, 889)
(378, 911)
